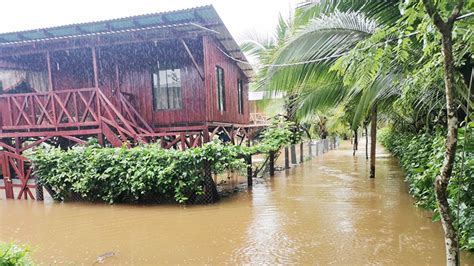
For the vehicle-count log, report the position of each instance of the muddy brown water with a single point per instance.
(325, 211)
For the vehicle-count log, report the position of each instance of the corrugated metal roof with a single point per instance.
(192, 19)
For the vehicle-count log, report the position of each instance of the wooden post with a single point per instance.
(96, 70)
(310, 149)
(100, 139)
(373, 142)
(50, 74)
(249, 167)
(301, 152)
(272, 163)
(287, 159)
(6, 176)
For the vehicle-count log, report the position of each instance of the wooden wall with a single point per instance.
(212, 58)
(72, 69)
(135, 64)
(128, 69)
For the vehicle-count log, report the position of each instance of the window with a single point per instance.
(167, 89)
(240, 96)
(220, 89)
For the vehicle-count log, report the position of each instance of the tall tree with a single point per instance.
(445, 27)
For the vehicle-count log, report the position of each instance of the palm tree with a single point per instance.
(320, 34)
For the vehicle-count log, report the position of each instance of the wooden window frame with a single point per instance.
(240, 96)
(155, 90)
(220, 84)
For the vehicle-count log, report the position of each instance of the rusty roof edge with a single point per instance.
(28, 41)
(110, 20)
(193, 9)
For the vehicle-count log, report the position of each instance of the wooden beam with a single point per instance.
(201, 74)
(77, 140)
(50, 75)
(94, 65)
(36, 143)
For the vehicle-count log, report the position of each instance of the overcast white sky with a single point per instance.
(240, 16)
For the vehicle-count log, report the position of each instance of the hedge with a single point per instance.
(421, 157)
(145, 173)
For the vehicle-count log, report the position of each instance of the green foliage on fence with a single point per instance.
(14, 255)
(421, 156)
(145, 173)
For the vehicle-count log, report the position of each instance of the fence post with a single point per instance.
(249, 167)
(310, 152)
(293, 154)
(272, 163)
(287, 159)
(301, 152)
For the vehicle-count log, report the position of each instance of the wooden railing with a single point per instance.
(259, 118)
(58, 109)
(73, 110)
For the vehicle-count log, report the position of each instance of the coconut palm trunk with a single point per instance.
(356, 143)
(366, 142)
(373, 140)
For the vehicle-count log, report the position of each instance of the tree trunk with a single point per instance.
(373, 140)
(366, 142)
(356, 143)
(442, 180)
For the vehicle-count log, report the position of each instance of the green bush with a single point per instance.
(421, 156)
(137, 174)
(13, 255)
(145, 173)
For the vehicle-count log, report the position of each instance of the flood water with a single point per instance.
(325, 211)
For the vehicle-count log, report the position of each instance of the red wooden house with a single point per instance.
(178, 77)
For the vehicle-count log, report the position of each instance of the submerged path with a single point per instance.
(325, 211)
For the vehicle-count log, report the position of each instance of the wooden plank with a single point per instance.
(111, 137)
(50, 74)
(82, 132)
(77, 140)
(94, 65)
(34, 144)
